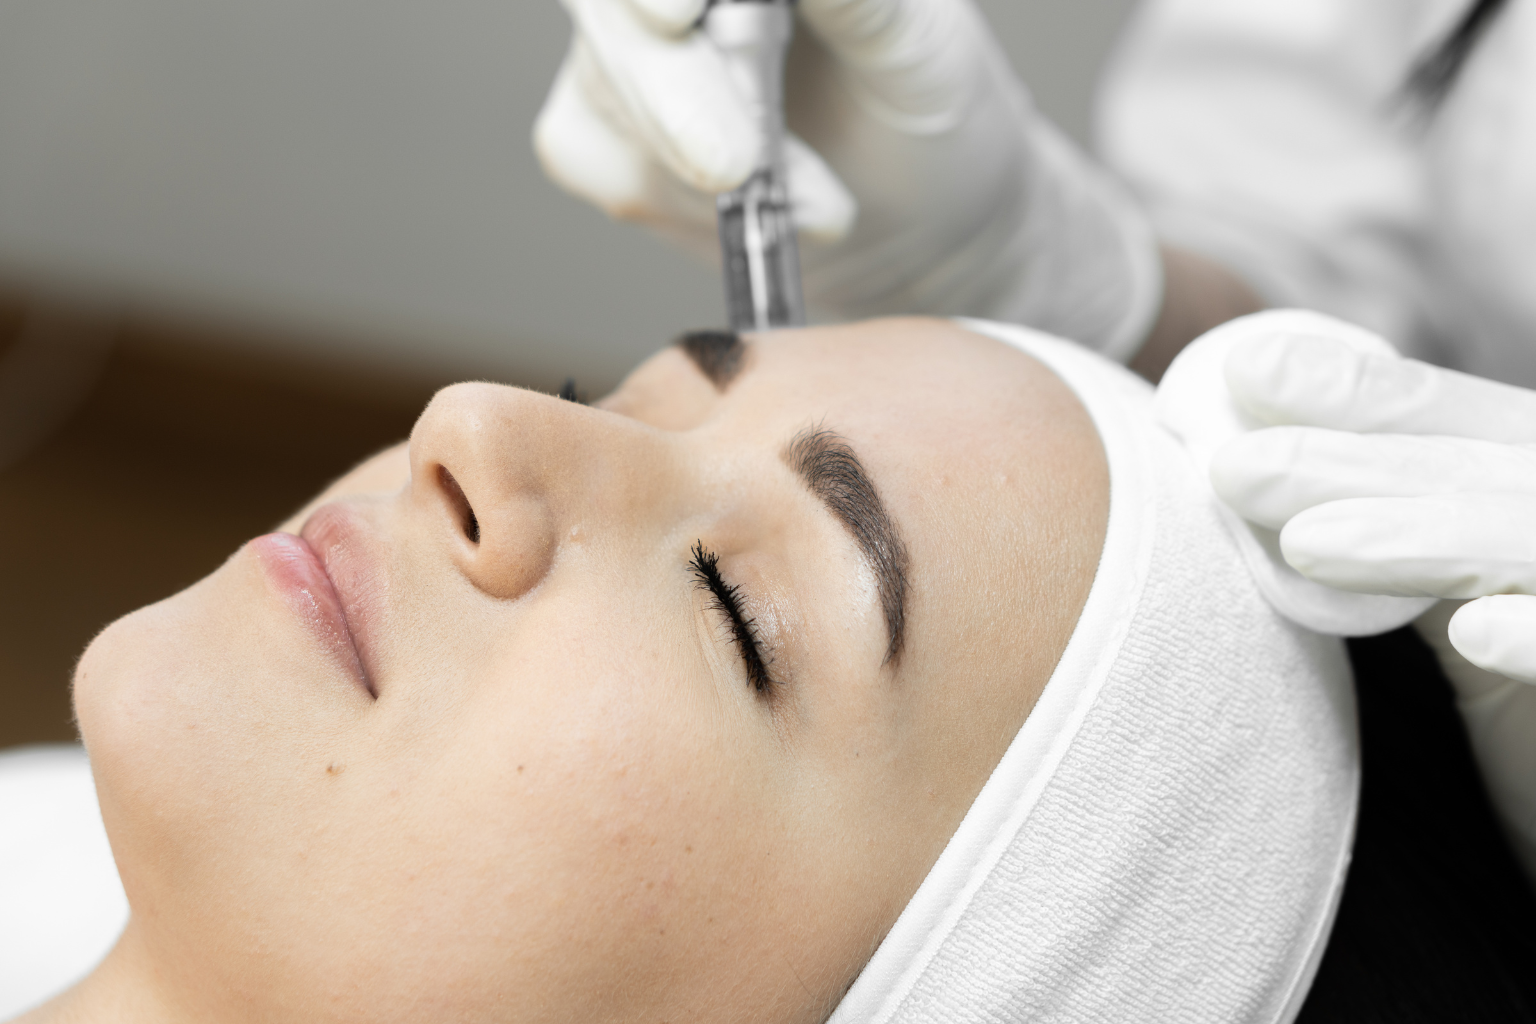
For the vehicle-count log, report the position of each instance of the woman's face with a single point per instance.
(655, 710)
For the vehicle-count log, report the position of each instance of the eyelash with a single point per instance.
(705, 566)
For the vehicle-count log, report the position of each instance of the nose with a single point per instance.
(501, 474)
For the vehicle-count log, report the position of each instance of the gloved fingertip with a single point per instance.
(821, 229)
(673, 17)
(1328, 544)
(1301, 540)
(824, 208)
(1498, 634)
(584, 155)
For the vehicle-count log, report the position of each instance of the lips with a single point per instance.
(320, 575)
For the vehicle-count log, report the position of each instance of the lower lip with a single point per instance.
(299, 577)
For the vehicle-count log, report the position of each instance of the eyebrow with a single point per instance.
(717, 354)
(832, 470)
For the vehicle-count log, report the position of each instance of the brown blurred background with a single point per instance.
(190, 441)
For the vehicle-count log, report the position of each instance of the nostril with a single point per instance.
(466, 514)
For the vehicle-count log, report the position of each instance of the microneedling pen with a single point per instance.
(757, 231)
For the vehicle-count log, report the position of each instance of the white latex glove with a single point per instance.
(929, 183)
(1390, 476)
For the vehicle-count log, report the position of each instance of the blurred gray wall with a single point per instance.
(360, 171)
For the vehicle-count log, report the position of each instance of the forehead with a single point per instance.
(915, 396)
(904, 352)
(911, 394)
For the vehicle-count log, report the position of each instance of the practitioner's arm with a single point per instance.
(1198, 294)
(1269, 136)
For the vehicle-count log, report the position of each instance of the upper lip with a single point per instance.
(335, 531)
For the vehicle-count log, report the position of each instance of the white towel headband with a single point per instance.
(1166, 837)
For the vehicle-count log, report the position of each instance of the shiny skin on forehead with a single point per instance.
(876, 371)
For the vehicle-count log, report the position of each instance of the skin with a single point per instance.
(566, 802)
(1198, 294)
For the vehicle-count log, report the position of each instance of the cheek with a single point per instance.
(624, 766)
(593, 818)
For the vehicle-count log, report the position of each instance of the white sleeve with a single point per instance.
(1269, 135)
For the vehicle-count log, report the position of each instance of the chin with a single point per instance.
(114, 680)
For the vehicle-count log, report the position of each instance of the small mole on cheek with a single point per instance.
(519, 769)
(687, 849)
(334, 768)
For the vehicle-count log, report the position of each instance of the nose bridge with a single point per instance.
(504, 476)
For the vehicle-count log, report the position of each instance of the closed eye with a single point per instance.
(705, 566)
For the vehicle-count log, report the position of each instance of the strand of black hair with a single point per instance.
(1435, 75)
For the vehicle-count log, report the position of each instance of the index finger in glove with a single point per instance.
(1455, 545)
(1271, 475)
(1318, 381)
(675, 91)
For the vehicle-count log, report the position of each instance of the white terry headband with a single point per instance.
(1167, 836)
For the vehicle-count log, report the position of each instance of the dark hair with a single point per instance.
(1436, 923)
(1435, 73)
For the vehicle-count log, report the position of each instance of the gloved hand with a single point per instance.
(1390, 476)
(926, 181)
